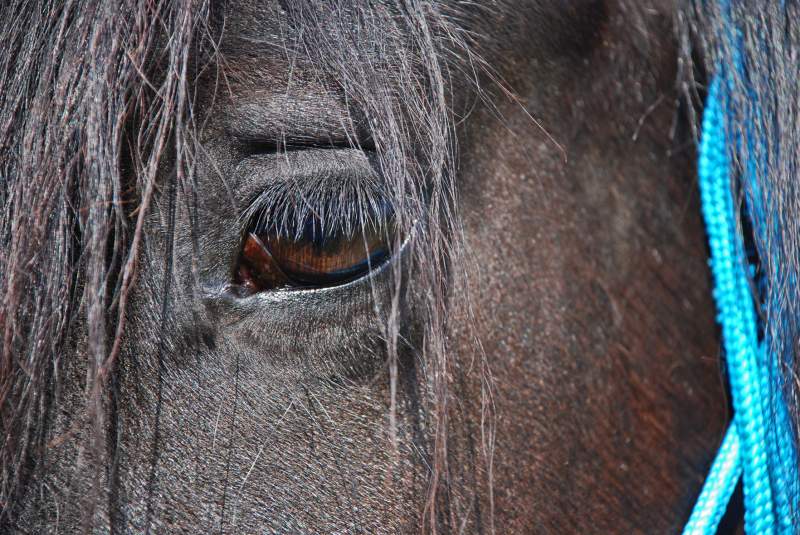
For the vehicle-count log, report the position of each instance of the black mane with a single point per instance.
(94, 99)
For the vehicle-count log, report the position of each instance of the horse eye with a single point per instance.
(271, 260)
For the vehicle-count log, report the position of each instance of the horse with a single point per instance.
(368, 266)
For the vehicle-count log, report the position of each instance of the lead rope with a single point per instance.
(744, 449)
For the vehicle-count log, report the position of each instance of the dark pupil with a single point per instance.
(310, 258)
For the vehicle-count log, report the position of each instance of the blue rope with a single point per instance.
(718, 488)
(747, 443)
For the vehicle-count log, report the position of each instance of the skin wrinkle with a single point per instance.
(555, 353)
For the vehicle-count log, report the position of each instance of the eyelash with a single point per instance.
(286, 208)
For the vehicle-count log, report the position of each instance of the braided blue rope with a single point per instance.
(718, 488)
(747, 443)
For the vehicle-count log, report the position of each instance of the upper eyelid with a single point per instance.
(310, 117)
(259, 170)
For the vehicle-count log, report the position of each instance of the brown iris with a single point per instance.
(271, 260)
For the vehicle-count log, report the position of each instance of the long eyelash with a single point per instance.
(335, 206)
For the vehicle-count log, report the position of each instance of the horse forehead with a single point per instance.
(268, 52)
(255, 26)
